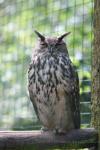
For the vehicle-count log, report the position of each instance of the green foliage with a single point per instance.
(18, 19)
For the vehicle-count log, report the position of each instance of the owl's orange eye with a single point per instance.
(57, 44)
(44, 44)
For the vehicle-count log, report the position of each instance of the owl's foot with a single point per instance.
(59, 132)
(44, 129)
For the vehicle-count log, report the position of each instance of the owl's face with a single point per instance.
(52, 45)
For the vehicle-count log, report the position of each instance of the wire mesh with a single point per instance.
(18, 19)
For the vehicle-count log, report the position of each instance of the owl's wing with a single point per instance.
(32, 97)
(33, 102)
(73, 94)
(75, 103)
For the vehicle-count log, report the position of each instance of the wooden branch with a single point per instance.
(33, 140)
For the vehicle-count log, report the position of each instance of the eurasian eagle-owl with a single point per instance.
(53, 85)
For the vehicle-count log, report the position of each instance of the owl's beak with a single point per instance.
(50, 48)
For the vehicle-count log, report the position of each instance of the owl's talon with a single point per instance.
(59, 132)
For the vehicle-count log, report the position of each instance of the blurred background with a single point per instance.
(18, 19)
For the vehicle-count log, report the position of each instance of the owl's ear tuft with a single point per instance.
(62, 36)
(42, 38)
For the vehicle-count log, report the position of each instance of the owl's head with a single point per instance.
(52, 45)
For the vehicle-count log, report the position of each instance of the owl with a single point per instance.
(53, 85)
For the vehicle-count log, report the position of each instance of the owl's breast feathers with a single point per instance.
(53, 79)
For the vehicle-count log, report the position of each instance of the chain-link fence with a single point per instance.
(18, 19)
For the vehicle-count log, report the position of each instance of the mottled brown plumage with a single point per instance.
(53, 85)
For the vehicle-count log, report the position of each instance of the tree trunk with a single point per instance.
(96, 70)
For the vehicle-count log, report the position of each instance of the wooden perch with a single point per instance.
(33, 140)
